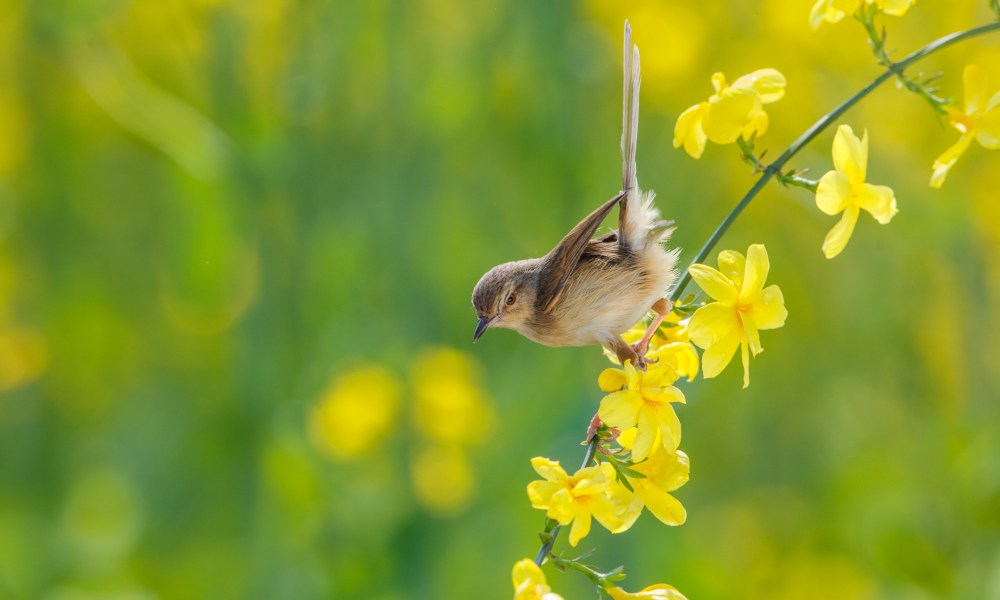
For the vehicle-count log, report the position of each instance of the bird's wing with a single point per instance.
(630, 131)
(562, 261)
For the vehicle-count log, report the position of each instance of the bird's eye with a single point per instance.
(510, 299)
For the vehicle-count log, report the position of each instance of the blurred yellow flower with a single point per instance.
(590, 492)
(833, 11)
(743, 306)
(664, 472)
(356, 412)
(642, 400)
(732, 111)
(978, 121)
(530, 582)
(443, 479)
(844, 190)
(659, 591)
(449, 404)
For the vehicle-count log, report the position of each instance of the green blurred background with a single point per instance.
(237, 244)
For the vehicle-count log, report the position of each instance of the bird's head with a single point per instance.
(505, 296)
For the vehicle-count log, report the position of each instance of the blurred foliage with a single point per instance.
(214, 215)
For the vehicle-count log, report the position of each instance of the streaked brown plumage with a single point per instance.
(590, 290)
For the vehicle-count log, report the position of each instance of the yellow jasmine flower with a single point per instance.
(978, 121)
(664, 472)
(743, 306)
(590, 492)
(659, 591)
(844, 190)
(833, 11)
(643, 400)
(530, 582)
(732, 111)
(449, 404)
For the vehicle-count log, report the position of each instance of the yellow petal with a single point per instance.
(711, 323)
(580, 529)
(611, 380)
(715, 284)
(838, 237)
(878, 200)
(974, 79)
(732, 264)
(718, 82)
(526, 571)
(746, 364)
(620, 409)
(752, 336)
(669, 426)
(768, 309)
(950, 156)
(757, 125)
(659, 591)
(563, 507)
(541, 492)
(550, 470)
(592, 480)
(988, 129)
(768, 83)
(645, 436)
(850, 154)
(626, 505)
(817, 14)
(729, 112)
(688, 131)
(715, 359)
(664, 507)
(833, 192)
(896, 8)
(756, 271)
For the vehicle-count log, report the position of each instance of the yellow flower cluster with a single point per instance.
(360, 409)
(733, 111)
(833, 11)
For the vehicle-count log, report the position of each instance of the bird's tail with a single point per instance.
(639, 222)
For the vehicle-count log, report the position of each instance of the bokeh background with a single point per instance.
(237, 244)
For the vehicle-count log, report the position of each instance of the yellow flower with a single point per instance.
(643, 400)
(590, 492)
(443, 479)
(833, 11)
(743, 306)
(978, 121)
(664, 472)
(844, 190)
(530, 582)
(732, 111)
(659, 591)
(449, 404)
(357, 411)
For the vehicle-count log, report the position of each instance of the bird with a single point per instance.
(589, 290)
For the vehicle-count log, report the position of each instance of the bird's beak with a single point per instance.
(481, 327)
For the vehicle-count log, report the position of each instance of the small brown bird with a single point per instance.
(589, 291)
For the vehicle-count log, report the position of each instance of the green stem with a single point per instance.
(790, 179)
(552, 532)
(867, 18)
(774, 168)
